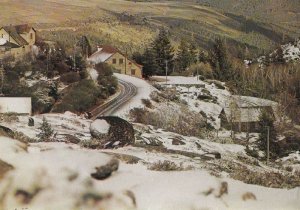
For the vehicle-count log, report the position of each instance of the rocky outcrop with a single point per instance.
(119, 133)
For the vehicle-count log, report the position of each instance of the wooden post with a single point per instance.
(166, 72)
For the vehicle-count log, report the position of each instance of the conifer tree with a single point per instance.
(266, 121)
(193, 53)
(183, 57)
(219, 60)
(45, 131)
(147, 59)
(164, 52)
(202, 57)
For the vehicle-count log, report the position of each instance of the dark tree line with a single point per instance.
(160, 55)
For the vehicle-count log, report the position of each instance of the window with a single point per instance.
(1, 35)
(132, 71)
(121, 61)
(114, 61)
(31, 35)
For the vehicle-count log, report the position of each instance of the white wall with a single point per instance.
(20, 105)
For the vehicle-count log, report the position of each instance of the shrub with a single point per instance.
(165, 166)
(147, 103)
(204, 69)
(45, 131)
(70, 77)
(79, 97)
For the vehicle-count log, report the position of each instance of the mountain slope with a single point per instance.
(130, 24)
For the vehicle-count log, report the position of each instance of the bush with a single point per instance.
(165, 166)
(203, 69)
(106, 79)
(79, 97)
(70, 77)
(147, 103)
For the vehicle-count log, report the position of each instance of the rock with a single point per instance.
(4, 168)
(177, 141)
(112, 132)
(103, 172)
(71, 139)
(30, 122)
(4, 131)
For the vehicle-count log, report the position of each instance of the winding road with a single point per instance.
(128, 91)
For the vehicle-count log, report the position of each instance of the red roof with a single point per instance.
(111, 50)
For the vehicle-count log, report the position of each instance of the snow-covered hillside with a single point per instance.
(163, 170)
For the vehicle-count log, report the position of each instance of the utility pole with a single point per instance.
(166, 72)
(75, 57)
(268, 144)
(2, 79)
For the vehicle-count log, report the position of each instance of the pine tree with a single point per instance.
(45, 131)
(183, 57)
(163, 52)
(219, 60)
(202, 57)
(85, 46)
(193, 53)
(147, 59)
(266, 120)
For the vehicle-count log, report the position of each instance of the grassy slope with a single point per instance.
(102, 22)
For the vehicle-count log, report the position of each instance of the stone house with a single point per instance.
(114, 57)
(243, 116)
(16, 40)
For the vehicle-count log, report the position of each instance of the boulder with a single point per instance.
(112, 132)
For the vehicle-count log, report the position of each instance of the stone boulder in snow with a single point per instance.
(112, 132)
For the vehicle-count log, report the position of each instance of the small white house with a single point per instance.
(19, 105)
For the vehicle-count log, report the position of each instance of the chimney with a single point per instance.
(99, 48)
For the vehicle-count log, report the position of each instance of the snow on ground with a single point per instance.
(144, 90)
(210, 96)
(67, 123)
(61, 173)
(291, 51)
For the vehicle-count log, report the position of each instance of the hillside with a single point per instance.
(283, 13)
(132, 25)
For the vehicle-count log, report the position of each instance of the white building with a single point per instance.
(19, 105)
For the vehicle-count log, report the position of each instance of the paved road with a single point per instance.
(128, 91)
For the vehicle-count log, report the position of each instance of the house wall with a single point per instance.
(5, 35)
(30, 37)
(126, 67)
(19, 105)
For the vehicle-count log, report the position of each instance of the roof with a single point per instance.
(9, 45)
(16, 31)
(104, 52)
(245, 114)
(248, 101)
